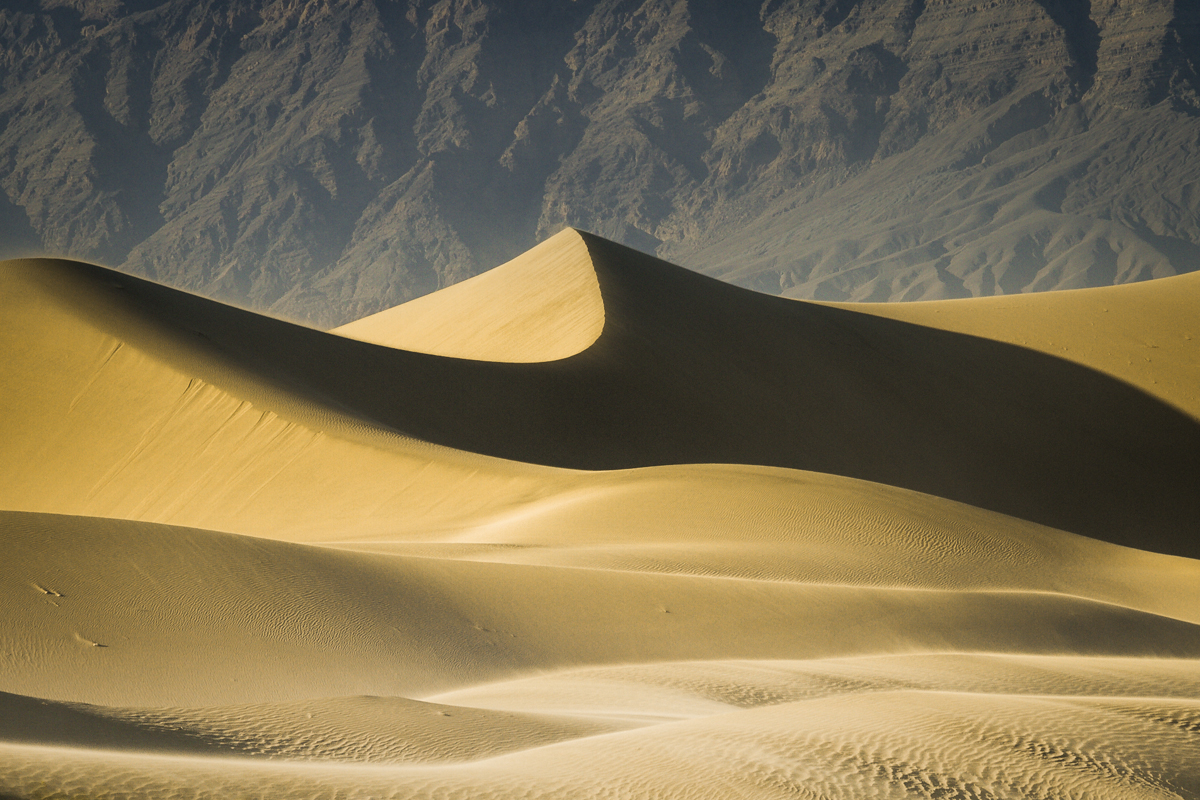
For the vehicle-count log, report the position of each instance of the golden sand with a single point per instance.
(592, 525)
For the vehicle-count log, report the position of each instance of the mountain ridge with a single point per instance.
(327, 161)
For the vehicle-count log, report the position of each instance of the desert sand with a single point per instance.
(591, 525)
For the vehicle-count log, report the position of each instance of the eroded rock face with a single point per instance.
(326, 159)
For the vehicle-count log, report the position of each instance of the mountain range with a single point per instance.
(326, 160)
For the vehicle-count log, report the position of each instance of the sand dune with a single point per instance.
(838, 741)
(1145, 334)
(687, 370)
(590, 524)
(542, 306)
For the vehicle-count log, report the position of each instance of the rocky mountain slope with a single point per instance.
(325, 160)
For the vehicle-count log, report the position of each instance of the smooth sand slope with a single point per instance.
(243, 557)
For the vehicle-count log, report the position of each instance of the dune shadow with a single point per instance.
(691, 370)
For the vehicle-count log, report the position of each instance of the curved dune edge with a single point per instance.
(340, 729)
(106, 412)
(544, 305)
(1146, 334)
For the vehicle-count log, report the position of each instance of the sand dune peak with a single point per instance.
(543, 305)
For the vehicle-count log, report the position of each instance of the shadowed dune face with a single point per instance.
(624, 531)
(688, 370)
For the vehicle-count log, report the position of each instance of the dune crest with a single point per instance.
(544, 305)
(1146, 334)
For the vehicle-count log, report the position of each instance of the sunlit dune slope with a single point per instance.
(846, 728)
(91, 603)
(1146, 334)
(686, 370)
(541, 306)
(108, 411)
(362, 728)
